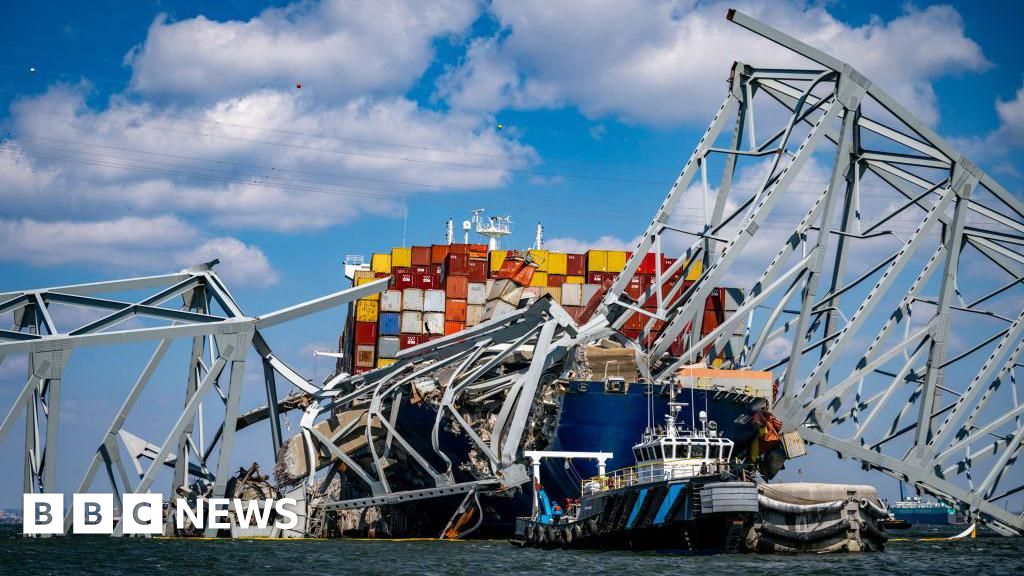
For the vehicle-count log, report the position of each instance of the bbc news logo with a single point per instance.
(142, 514)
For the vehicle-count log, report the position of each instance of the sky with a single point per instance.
(144, 137)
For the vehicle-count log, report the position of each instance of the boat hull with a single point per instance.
(702, 515)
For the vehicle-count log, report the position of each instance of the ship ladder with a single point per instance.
(695, 500)
(734, 537)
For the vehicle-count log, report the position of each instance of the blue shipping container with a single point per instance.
(390, 323)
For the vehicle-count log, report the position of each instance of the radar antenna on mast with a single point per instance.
(493, 228)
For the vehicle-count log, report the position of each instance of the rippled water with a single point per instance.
(985, 556)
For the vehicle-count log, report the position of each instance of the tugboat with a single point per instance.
(681, 496)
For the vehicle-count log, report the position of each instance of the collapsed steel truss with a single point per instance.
(948, 421)
(185, 302)
(466, 365)
(953, 415)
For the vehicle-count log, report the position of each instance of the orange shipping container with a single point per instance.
(524, 276)
(455, 310)
(421, 255)
(438, 252)
(478, 251)
(453, 327)
(457, 287)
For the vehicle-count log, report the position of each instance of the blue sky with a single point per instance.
(144, 137)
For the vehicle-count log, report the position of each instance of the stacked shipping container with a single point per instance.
(442, 289)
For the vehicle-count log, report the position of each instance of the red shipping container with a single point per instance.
(574, 311)
(421, 255)
(555, 280)
(716, 300)
(637, 286)
(456, 264)
(666, 288)
(426, 281)
(424, 269)
(360, 370)
(636, 321)
(379, 275)
(410, 340)
(596, 278)
(366, 333)
(455, 310)
(711, 321)
(576, 264)
(438, 252)
(647, 264)
(437, 270)
(478, 271)
(453, 327)
(456, 287)
(403, 280)
(458, 249)
(631, 334)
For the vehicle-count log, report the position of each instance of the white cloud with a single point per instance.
(667, 61)
(305, 167)
(998, 146)
(335, 48)
(134, 244)
(1011, 117)
(212, 136)
(241, 263)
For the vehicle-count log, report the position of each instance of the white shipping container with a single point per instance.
(733, 296)
(477, 294)
(433, 322)
(572, 294)
(387, 347)
(497, 309)
(391, 301)
(531, 292)
(412, 322)
(412, 299)
(433, 301)
(588, 292)
(474, 315)
(504, 289)
(490, 284)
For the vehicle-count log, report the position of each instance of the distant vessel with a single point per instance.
(916, 511)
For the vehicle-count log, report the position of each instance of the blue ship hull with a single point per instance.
(589, 419)
(592, 419)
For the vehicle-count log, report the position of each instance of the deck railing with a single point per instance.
(648, 473)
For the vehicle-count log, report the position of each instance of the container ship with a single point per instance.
(441, 289)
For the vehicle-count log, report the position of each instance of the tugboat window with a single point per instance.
(697, 451)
